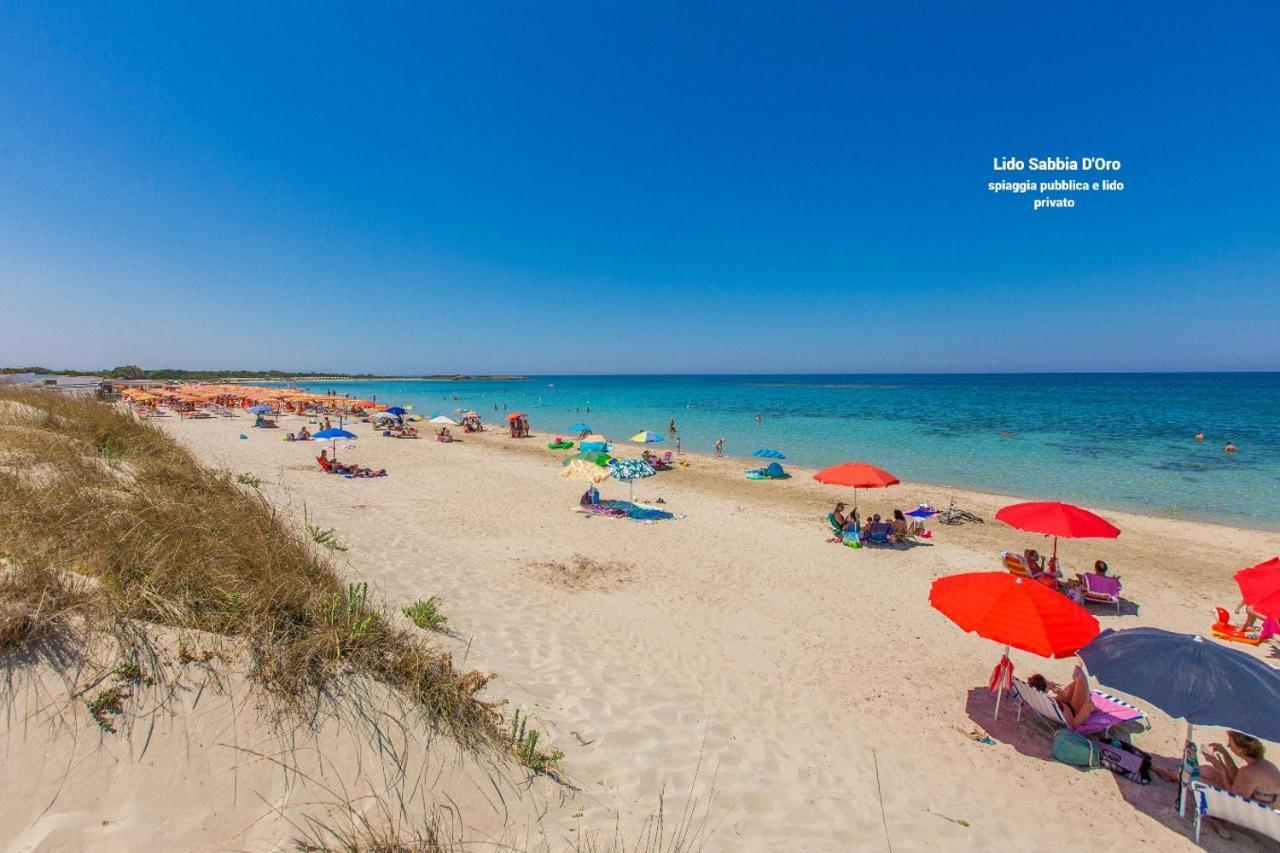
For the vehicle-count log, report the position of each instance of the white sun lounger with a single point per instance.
(1224, 805)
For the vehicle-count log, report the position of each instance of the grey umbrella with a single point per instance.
(1189, 678)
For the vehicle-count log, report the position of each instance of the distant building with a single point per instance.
(86, 386)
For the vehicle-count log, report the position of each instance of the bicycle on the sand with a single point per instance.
(955, 515)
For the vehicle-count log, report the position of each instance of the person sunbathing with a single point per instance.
(1258, 779)
(1074, 699)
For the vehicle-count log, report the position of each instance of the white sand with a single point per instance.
(735, 645)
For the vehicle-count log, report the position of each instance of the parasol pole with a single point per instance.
(1189, 769)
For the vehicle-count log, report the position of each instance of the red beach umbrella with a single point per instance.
(858, 475)
(514, 415)
(1057, 519)
(1014, 612)
(1260, 587)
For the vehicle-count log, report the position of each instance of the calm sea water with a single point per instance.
(1104, 440)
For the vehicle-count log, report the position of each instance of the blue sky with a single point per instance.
(588, 187)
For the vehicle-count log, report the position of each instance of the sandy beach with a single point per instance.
(808, 689)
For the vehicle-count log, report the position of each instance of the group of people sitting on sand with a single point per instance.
(874, 529)
(443, 435)
(333, 466)
(519, 427)
(399, 430)
(1255, 778)
(301, 435)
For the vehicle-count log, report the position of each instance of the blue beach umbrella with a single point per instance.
(1191, 678)
(630, 470)
(768, 453)
(645, 437)
(579, 428)
(260, 410)
(397, 411)
(334, 434)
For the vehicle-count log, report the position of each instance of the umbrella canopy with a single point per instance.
(444, 419)
(1260, 587)
(858, 475)
(260, 410)
(630, 470)
(579, 428)
(397, 410)
(1057, 519)
(386, 416)
(514, 415)
(1189, 677)
(768, 453)
(646, 437)
(580, 469)
(334, 435)
(1014, 612)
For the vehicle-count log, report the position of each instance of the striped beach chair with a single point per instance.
(1111, 713)
(1224, 805)
(1016, 564)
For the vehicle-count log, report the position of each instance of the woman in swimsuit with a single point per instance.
(1074, 698)
(1257, 780)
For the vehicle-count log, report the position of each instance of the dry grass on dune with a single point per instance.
(107, 521)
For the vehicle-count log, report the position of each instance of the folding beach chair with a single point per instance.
(1224, 805)
(1111, 713)
(1016, 564)
(1101, 589)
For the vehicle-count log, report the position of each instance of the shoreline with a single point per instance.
(978, 495)
(737, 638)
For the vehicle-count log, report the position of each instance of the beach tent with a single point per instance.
(1014, 612)
(580, 428)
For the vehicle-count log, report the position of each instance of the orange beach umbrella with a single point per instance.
(858, 475)
(1015, 612)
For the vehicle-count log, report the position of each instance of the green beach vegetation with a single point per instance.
(110, 524)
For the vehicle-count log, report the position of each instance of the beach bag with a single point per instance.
(1075, 749)
(1125, 759)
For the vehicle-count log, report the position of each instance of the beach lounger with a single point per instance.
(1016, 564)
(1111, 713)
(1224, 805)
(1100, 589)
(836, 530)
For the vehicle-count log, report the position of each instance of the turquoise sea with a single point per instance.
(1104, 440)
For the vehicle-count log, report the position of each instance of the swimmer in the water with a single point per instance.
(1230, 448)
(1199, 435)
